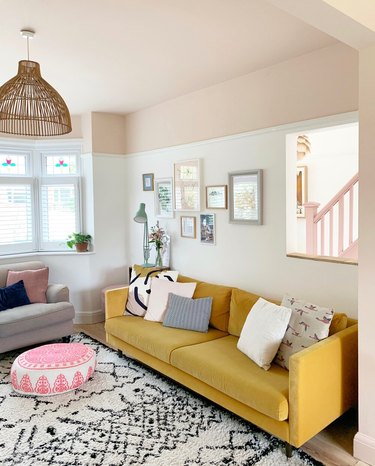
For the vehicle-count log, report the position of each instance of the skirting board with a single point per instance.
(364, 448)
(89, 317)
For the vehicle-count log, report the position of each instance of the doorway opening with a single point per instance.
(322, 193)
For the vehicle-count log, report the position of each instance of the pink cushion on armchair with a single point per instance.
(35, 281)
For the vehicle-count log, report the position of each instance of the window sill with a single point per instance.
(337, 260)
(46, 253)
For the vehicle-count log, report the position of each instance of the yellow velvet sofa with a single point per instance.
(293, 405)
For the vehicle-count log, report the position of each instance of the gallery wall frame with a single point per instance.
(207, 229)
(148, 181)
(187, 185)
(188, 226)
(217, 197)
(164, 198)
(245, 197)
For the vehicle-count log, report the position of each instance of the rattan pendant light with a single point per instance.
(29, 106)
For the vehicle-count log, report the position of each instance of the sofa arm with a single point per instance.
(115, 301)
(57, 293)
(323, 384)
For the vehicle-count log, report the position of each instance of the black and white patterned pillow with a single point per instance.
(140, 288)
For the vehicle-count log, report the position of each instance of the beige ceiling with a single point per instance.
(119, 56)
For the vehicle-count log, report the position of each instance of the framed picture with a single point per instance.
(164, 198)
(187, 191)
(216, 197)
(301, 190)
(188, 227)
(245, 197)
(207, 229)
(148, 181)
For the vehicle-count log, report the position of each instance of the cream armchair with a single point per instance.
(39, 322)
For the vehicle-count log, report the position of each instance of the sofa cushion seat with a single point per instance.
(34, 316)
(221, 365)
(155, 339)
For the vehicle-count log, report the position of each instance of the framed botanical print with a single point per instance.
(164, 198)
(216, 197)
(245, 197)
(187, 190)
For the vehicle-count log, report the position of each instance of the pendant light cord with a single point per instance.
(28, 50)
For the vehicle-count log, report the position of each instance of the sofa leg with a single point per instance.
(288, 450)
(66, 339)
(119, 353)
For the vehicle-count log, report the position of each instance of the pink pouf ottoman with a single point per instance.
(52, 369)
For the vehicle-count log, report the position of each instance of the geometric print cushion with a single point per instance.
(308, 325)
(140, 288)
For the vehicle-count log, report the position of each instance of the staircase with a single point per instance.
(333, 231)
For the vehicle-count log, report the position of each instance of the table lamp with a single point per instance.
(141, 217)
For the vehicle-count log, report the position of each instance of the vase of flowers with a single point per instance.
(158, 237)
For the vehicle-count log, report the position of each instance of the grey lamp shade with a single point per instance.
(141, 216)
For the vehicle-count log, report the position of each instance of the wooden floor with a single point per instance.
(333, 446)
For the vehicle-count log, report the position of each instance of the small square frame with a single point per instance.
(148, 181)
(188, 227)
(217, 197)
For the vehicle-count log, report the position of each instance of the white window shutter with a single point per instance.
(39, 195)
(16, 214)
(59, 206)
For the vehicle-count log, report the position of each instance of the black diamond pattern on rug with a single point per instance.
(127, 415)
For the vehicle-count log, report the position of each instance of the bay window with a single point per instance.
(39, 196)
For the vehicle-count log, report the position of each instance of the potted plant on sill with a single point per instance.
(80, 241)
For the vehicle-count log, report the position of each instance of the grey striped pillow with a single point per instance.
(188, 313)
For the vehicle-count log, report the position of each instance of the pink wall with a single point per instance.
(108, 135)
(364, 445)
(321, 83)
(103, 133)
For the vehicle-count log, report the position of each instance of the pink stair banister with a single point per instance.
(331, 231)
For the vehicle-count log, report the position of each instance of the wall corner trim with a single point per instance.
(364, 448)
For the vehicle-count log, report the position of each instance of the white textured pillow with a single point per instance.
(160, 290)
(308, 325)
(263, 331)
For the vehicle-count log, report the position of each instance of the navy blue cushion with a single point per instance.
(187, 313)
(13, 296)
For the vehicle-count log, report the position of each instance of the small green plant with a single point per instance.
(78, 238)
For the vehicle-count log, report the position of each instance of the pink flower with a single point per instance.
(157, 236)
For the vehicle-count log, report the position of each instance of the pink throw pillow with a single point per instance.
(35, 281)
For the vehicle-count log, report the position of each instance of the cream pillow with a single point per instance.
(263, 331)
(160, 290)
(308, 324)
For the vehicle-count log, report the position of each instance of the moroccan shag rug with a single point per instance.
(128, 415)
